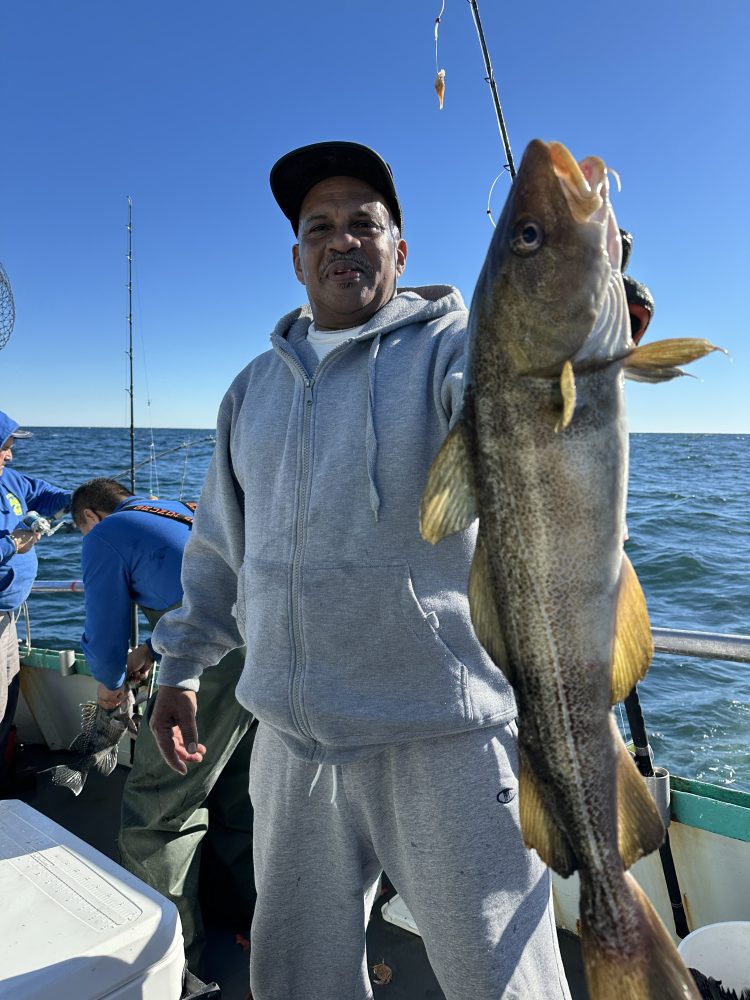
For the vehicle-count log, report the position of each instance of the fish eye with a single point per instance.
(527, 236)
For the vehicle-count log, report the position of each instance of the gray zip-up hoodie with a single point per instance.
(306, 543)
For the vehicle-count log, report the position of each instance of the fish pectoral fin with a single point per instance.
(449, 501)
(107, 762)
(659, 361)
(568, 390)
(539, 828)
(639, 826)
(633, 647)
(484, 615)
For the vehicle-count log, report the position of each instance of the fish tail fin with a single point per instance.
(68, 777)
(639, 963)
(659, 361)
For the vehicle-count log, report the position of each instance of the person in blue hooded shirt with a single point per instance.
(18, 564)
(133, 557)
(132, 551)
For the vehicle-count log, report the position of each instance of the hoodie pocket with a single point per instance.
(262, 611)
(375, 666)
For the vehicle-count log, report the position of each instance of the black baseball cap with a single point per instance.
(294, 174)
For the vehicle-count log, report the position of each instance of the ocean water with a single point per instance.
(689, 526)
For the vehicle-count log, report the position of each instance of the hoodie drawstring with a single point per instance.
(371, 440)
(335, 782)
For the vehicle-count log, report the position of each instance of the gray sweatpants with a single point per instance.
(441, 817)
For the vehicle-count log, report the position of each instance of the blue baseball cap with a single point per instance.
(9, 428)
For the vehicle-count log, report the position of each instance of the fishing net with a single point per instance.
(7, 308)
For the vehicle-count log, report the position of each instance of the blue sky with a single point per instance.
(185, 106)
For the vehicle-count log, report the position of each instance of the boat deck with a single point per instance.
(94, 817)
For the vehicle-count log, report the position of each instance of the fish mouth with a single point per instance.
(585, 184)
(586, 189)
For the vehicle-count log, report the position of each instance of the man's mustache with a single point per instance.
(351, 259)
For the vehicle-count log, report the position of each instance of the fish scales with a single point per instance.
(558, 615)
(540, 456)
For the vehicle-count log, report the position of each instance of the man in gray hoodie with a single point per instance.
(387, 737)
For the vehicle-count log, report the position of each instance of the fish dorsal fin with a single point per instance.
(568, 390)
(539, 828)
(449, 501)
(659, 361)
(639, 826)
(484, 615)
(633, 647)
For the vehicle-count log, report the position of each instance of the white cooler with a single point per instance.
(76, 926)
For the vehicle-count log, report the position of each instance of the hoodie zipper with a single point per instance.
(298, 666)
(299, 540)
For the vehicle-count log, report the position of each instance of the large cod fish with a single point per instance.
(540, 456)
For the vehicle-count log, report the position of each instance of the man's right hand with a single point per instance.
(173, 723)
(140, 662)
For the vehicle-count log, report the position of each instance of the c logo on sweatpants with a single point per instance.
(506, 795)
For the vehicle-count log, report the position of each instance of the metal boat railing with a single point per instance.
(679, 642)
(707, 645)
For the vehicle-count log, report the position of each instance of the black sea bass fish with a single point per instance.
(96, 744)
(540, 456)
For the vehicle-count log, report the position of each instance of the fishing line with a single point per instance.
(489, 196)
(184, 470)
(439, 73)
(168, 451)
(437, 28)
(622, 724)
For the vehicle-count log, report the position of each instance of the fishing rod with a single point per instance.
(130, 389)
(644, 762)
(490, 78)
(131, 393)
(169, 451)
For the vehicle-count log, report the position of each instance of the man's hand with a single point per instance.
(109, 699)
(25, 540)
(140, 662)
(173, 723)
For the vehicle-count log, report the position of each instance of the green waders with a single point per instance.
(170, 823)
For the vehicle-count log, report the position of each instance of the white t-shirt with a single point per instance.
(324, 341)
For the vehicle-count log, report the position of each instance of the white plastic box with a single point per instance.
(76, 926)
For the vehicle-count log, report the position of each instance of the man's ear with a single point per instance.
(298, 264)
(401, 253)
